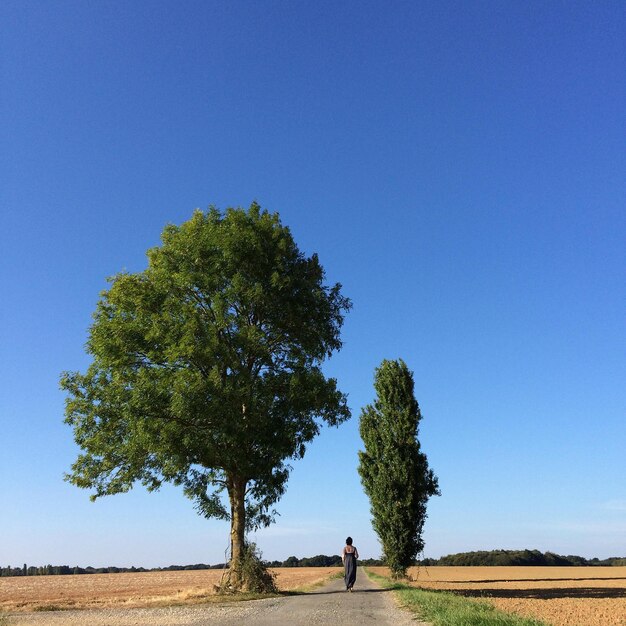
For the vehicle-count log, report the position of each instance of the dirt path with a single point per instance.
(368, 605)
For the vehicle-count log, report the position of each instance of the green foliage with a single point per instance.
(259, 578)
(255, 573)
(518, 558)
(393, 470)
(447, 609)
(320, 560)
(206, 368)
(505, 557)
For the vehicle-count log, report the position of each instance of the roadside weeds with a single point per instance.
(447, 609)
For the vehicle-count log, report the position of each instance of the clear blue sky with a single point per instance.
(458, 166)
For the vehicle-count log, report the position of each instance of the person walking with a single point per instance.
(348, 557)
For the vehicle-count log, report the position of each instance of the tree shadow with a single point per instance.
(542, 594)
(522, 580)
(343, 591)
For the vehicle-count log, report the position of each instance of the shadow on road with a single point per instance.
(356, 590)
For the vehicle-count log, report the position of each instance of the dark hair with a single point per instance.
(349, 541)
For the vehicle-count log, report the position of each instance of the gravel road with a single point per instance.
(367, 605)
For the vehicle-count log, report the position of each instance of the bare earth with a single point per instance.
(570, 596)
(134, 590)
(562, 596)
(368, 605)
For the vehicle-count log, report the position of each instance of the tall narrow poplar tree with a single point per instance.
(394, 471)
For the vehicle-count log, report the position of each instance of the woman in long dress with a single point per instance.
(349, 556)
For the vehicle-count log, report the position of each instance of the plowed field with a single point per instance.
(563, 596)
(145, 589)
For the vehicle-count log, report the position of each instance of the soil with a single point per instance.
(137, 590)
(561, 596)
(570, 596)
(367, 605)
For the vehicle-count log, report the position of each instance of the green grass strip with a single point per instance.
(442, 608)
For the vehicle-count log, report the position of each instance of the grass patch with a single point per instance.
(49, 607)
(442, 608)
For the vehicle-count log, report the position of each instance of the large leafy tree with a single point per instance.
(393, 469)
(206, 370)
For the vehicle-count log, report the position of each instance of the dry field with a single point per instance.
(563, 596)
(146, 589)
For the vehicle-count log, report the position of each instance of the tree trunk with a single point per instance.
(236, 493)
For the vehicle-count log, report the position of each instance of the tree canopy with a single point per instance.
(206, 369)
(394, 471)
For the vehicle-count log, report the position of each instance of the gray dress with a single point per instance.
(350, 565)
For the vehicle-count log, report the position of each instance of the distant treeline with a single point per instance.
(62, 570)
(493, 557)
(320, 560)
(520, 557)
